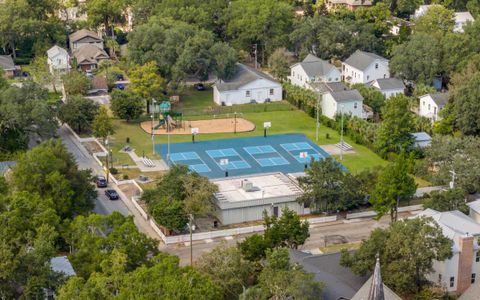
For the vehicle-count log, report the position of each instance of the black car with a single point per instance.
(112, 194)
(101, 182)
(200, 87)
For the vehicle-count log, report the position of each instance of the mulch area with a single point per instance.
(204, 126)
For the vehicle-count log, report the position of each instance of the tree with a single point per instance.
(178, 194)
(24, 113)
(126, 105)
(403, 8)
(407, 250)
(280, 279)
(394, 133)
(286, 231)
(371, 97)
(41, 72)
(466, 106)
(50, 171)
(447, 200)
(105, 12)
(102, 125)
(79, 113)
(146, 82)
(327, 188)
(419, 59)
(279, 63)
(394, 186)
(75, 83)
(437, 20)
(93, 238)
(273, 22)
(224, 59)
(228, 269)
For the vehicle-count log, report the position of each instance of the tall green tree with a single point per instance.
(327, 188)
(394, 133)
(279, 63)
(78, 112)
(371, 97)
(394, 186)
(437, 20)
(466, 106)
(407, 251)
(102, 125)
(146, 82)
(76, 83)
(224, 59)
(126, 104)
(50, 171)
(105, 12)
(447, 200)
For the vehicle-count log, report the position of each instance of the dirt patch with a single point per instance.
(129, 189)
(92, 147)
(204, 126)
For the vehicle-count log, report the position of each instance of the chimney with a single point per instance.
(465, 261)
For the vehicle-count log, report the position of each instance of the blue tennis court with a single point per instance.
(286, 153)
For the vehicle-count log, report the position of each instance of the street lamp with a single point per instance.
(318, 117)
(341, 134)
(191, 227)
(153, 134)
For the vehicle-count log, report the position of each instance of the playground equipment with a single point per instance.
(170, 120)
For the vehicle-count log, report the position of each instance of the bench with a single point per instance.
(148, 162)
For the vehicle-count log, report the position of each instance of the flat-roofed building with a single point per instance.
(243, 199)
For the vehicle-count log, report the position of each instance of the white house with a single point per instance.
(351, 5)
(463, 269)
(311, 70)
(461, 19)
(363, 67)
(247, 86)
(421, 10)
(431, 104)
(84, 37)
(337, 99)
(474, 210)
(389, 86)
(58, 59)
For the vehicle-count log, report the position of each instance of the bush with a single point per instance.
(125, 177)
(113, 171)
(301, 98)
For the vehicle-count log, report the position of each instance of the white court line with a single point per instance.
(262, 152)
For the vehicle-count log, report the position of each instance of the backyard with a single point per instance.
(283, 117)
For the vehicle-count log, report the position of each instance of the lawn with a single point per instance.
(295, 121)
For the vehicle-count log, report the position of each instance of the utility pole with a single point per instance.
(107, 171)
(452, 183)
(190, 222)
(153, 134)
(318, 118)
(235, 123)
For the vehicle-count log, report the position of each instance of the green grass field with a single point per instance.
(283, 121)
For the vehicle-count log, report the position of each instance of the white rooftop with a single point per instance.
(61, 264)
(454, 224)
(475, 205)
(264, 186)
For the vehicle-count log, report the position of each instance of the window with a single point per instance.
(384, 75)
(329, 78)
(336, 78)
(247, 93)
(428, 107)
(376, 66)
(355, 105)
(473, 278)
(439, 278)
(271, 91)
(477, 257)
(293, 73)
(423, 103)
(368, 77)
(452, 281)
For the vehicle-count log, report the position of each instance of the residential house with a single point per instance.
(73, 13)
(84, 37)
(351, 5)
(389, 86)
(60, 265)
(88, 57)
(8, 66)
(431, 104)
(421, 10)
(363, 67)
(311, 70)
(462, 19)
(463, 268)
(472, 293)
(247, 85)
(58, 60)
(338, 99)
(340, 282)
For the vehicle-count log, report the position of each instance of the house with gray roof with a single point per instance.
(351, 5)
(389, 86)
(84, 37)
(430, 105)
(336, 98)
(58, 60)
(88, 57)
(7, 65)
(363, 67)
(313, 70)
(459, 272)
(247, 85)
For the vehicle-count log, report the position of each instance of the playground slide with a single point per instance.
(171, 121)
(160, 123)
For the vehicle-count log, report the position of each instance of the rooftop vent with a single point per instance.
(248, 186)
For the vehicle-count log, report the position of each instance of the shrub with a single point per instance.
(113, 171)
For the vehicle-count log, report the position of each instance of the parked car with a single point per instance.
(199, 87)
(101, 182)
(112, 194)
(253, 101)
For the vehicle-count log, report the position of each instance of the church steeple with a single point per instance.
(376, 287)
